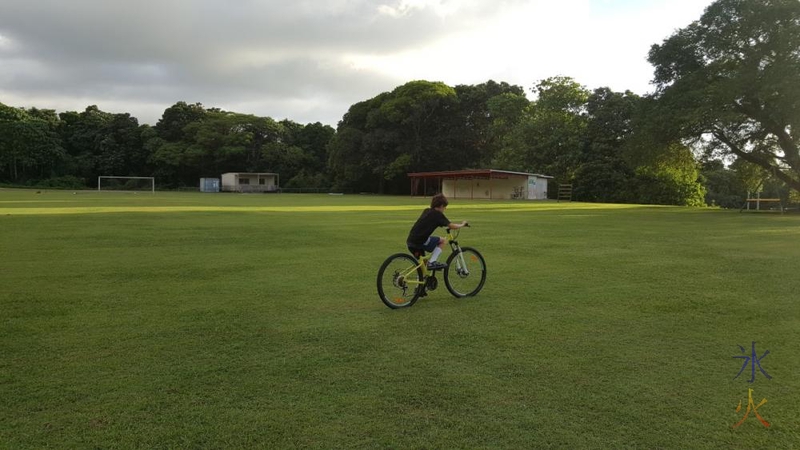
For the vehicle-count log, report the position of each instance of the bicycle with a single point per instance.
(403, 278)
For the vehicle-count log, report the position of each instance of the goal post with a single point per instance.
(126, 184)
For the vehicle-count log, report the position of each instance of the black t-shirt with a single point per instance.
(426, 225)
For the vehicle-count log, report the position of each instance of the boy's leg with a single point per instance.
(437, 245)
(438, 250)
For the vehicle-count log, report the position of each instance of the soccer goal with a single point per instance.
(126, 184)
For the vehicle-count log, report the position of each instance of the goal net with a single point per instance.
(126, 184)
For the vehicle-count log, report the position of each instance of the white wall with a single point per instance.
(229, 182)
(537, 188)
(480, 189)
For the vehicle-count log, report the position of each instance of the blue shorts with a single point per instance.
(429, 245)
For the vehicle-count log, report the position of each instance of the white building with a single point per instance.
(481, 184)
(250, 182)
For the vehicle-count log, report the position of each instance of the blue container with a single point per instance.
(209, 184)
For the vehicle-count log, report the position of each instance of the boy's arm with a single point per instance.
(455, 226)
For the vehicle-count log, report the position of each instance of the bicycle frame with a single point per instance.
(423, 261)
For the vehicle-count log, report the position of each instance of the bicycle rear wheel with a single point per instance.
(399, 281)
(465, 273)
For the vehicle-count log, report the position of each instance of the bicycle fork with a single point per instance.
(461, 263)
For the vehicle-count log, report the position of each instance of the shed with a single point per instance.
(481, 184)
(209, 184)
(250, 182)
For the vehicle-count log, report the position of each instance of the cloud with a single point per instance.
(310, 60)
(526, 43)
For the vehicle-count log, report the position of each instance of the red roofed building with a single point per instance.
(480, 184)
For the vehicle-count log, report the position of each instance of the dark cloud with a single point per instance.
(245, 52)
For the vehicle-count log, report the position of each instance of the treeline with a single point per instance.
(575, 135)
(71, 149)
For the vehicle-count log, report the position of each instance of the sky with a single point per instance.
(308, 61)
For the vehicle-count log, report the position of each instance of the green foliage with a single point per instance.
(794, 197)
(606, 172)
(480, 120)
(672, 179)
(724, 187)
(101, 143)
(188, 142)
(605, 181)
(308, 179)
(175, 118)
(30, 147)
(588, 139)
(734, 76)
(419, 126)
(548, 137)
(561, 94)
(63, 182)
(212, 142)
(750, 175)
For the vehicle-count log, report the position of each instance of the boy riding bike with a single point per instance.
(419, 238)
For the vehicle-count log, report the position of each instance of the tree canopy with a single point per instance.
(733, 79)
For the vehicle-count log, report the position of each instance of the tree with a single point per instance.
(548, 138)
(170, 126)
(312, 139)
(671, 179)
(120, 149)
(381, 139)
(724, 188)
(29, 145)
(481, 117)
(734, 77)
(82, 134)
(605, 174)
(215, 143)
(750, 176)
(411, 111)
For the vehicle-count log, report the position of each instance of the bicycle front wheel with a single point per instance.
(399, 281)
(465, 273)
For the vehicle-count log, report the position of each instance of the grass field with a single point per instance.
(231, 321)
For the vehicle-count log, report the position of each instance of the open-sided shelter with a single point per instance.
(481, 184)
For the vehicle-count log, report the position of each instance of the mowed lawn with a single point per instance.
(229, 321)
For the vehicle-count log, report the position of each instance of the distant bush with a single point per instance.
(65, 182)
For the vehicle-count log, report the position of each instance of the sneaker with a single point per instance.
(436, 265)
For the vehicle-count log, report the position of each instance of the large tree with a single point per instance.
(480, 119)
(733, 79)
(29, 145)
(381, 139)
(548, 137)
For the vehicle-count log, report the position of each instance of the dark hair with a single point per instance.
(438, 200)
